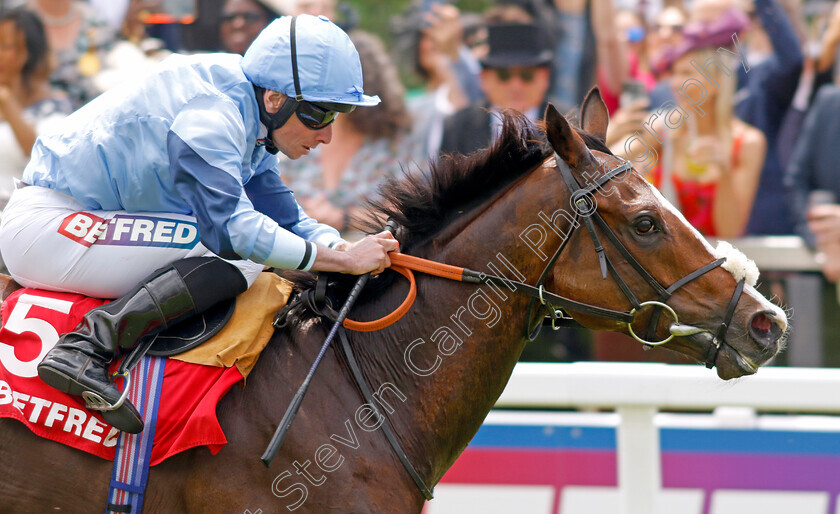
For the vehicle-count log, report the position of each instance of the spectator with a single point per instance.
(608, 65)
(79, 38)
(342, 14)
(202, 35)
(315, 8)
(434, 42)
(133, 26)
(242, 21)
(667, 34)
(580, 33)
(631, 33)
(134, 53)
(830, 39)
(112, 12)
(817, 71)
(708, 160)
(813, 167)
(515, 74)
(707, 165)
(27, 102)
(572, 24)
(764, 97)
(369, 145)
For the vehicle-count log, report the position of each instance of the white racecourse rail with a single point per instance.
(636, 391)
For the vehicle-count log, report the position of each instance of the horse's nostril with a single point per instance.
(764, 327)
(761, 322)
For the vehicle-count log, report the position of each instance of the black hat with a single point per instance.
(516, 45)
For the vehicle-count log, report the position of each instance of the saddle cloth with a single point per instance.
(193, 382)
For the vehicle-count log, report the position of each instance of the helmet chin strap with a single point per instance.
(276, 120)
(279, 118)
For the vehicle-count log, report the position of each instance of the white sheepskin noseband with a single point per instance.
(737, 263)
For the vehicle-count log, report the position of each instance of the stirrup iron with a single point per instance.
(95, 402)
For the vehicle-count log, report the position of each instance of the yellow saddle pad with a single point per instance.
(240, 342)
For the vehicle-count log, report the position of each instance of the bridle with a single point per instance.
(585, 211)
(585, 208)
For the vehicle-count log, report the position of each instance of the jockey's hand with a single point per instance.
(371, 253)
(368, 255)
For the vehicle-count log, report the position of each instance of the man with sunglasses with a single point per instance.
(166, 194)
(515, 74)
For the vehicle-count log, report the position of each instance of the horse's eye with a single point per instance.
(645, 226)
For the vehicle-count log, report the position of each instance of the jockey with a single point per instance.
(166, 195)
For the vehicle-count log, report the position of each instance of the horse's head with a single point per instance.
(707, 306)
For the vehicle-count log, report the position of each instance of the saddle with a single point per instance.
(176, 339)
(196, 380)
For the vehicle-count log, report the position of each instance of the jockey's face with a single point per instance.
(295, 139)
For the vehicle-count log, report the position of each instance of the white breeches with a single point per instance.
(49, 241)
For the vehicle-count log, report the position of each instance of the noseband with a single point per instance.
(586, 211)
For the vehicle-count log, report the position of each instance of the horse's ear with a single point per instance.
(594, 115)
(563, 138)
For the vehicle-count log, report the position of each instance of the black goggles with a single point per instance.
(318, 115)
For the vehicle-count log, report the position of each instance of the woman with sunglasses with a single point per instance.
(166, 194)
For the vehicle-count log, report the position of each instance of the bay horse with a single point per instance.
(438, 371)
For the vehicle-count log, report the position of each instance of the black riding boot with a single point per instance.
(79, 361)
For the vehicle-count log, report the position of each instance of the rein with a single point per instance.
(407, 264)
(585, 211)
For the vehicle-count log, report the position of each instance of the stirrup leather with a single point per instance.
(93, 401)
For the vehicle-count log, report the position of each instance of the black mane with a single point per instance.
(425, 203)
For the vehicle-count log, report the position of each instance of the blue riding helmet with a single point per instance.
(327, 62)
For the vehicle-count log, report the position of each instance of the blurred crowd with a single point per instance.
(730, 107)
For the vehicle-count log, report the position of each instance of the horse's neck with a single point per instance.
(454, 352)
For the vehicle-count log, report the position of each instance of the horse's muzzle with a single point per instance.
(735, 356)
